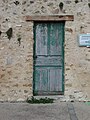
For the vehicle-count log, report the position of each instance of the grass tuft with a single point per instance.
(39, 101)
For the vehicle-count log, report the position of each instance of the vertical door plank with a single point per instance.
(37, 79)
(55, 39)
(55, 79)
(41, 79)
(59, 79)
(44, 80)
(41, 39)
(52, 79)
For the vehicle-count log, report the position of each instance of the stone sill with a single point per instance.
(50, 18)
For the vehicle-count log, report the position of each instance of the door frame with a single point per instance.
(48, 18)
(34, 45)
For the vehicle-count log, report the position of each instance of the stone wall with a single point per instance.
(16, 48)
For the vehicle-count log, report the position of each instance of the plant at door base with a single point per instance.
(41, 100)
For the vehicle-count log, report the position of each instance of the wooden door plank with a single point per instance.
(49, 61)
(56, 39)
(41, 80)
(41, 39)
(55, 82)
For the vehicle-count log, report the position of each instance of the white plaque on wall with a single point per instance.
(84, 40)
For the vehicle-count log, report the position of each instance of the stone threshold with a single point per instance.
(62, 98)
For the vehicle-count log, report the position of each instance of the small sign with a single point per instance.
(84, 40)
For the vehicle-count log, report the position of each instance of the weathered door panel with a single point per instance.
(55, 82)
(48, 58)
(41, 80)
(41, 39)
(55, 39)
(48, 61)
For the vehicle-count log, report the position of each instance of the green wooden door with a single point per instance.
(48, 58)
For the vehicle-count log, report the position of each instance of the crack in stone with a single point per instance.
(71, 111)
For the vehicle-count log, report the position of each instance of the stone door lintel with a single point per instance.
(50, 18)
